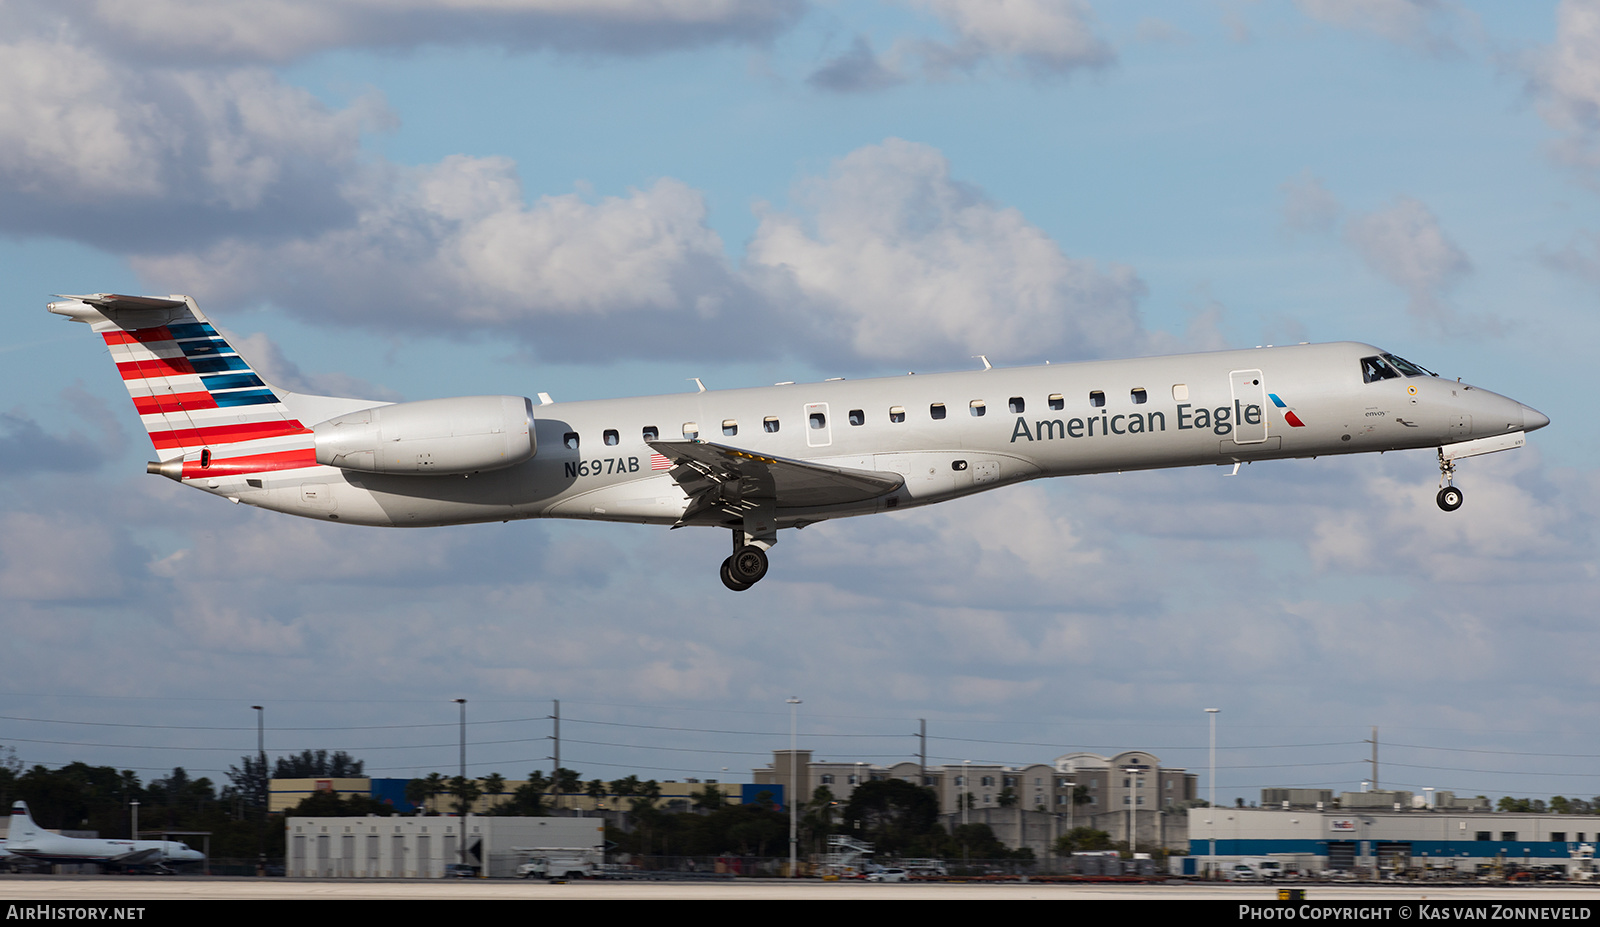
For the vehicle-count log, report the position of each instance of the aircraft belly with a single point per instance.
(657, 500)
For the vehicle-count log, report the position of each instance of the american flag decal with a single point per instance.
(659, 462)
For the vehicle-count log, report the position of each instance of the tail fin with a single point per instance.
(23, 830)
(208, 413)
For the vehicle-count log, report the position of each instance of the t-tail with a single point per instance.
(207, 411)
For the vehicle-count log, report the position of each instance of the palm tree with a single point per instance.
(421, 792)
(567, 781)
(494, 785)
(466, 792)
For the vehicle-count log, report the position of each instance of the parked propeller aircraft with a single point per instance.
(28, 840)
(757, 460)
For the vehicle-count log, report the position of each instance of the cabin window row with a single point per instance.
(977, 408)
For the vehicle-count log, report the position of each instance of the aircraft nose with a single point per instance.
(1532, 420)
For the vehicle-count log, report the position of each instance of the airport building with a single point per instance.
(1113, 784)
(1386, 831)
(424, 847)
(1028, 805)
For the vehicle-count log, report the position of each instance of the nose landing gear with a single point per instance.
(1449, 498)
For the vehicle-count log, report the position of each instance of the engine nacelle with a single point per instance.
(459, 435)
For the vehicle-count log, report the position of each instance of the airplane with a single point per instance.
(755, 461)
(27, 840)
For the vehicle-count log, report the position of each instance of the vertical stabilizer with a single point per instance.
(23, 831)
(206, 409)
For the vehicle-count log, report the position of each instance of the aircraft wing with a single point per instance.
(728, 480)
(135, 857)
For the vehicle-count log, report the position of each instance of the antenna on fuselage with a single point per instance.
(985, 359)
(696, 382)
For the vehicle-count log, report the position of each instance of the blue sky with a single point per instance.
(603, 200)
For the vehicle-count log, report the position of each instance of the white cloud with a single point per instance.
(277, 31)
(1053, 37)
(1405, 245)
(140, 158)
(1521, 529)
(1580, 257)
(904, 264)
(1308, 205)
(455, 244)
(268, 360)
(1566, 76)
(900, 262)
(46, 557)
(857, 70)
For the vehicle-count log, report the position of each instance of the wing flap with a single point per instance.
(721, 478)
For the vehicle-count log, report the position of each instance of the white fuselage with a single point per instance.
(55, 848)
(997, 426)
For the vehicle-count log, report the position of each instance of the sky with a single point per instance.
(432, 198)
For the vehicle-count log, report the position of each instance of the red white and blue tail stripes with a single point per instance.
(201, 401)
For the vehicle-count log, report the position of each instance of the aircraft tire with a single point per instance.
(727, 577)
(748, 564)
(1450, 498)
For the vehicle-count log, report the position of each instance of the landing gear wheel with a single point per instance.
(748, 565)
(1450, 498)
(727, 577)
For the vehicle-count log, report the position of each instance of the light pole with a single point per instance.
(966, 787)
(794, 784)
(463, 780)
(266, 788)
(134, 807)
(1131, 798)
(1212, 801)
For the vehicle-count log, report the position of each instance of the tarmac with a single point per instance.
(133, 889)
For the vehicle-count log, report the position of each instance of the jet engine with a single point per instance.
(441, 436)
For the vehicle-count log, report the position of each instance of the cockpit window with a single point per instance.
(1389, 367)
(1374, 369)
(1408, 368)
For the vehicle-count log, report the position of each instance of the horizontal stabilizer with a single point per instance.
(119, 302)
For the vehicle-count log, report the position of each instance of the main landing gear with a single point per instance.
(1449, 498)
(747, 565)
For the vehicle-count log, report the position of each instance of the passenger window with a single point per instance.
(570, 439)
(1058, 401)
(976, 407)
(652, 433)
(819, 421)
(897, 413)
(1097, 398)
(612, 439)
(1016, 405)
(858, 417)
(936, 410)
(1180, 392)
(730, 427)
(1139, 396)
(770, 424)
(691, 430)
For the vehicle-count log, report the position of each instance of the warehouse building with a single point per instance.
(423, 847)
(1349, 839)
